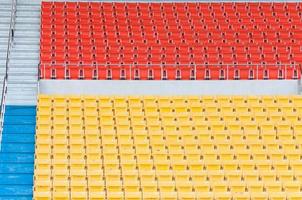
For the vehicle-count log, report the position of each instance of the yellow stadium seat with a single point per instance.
(286, 175)
(273, 186)
(251, 176)
(292, 186)
(223, 195)
(281, 165)
(42, 195)
(131, 186)
(277, 196)
(233, 175)
(97, 195)
(241, 196)
(219, 186)
(294, 195)
(115, 195)
(229, 164)
(255, 186)
(223, 147)
(61, 188)
(216, 176)
(237, 186)
(64, 195)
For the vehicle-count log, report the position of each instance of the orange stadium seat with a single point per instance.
(170, 41)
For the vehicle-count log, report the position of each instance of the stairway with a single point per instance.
(17, 153)
(24, 55)
(5, 8)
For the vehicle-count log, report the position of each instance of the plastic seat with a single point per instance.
(161, 155)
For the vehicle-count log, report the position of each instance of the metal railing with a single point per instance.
(171, 71)
(9, 45)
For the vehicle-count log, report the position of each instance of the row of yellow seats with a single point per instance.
(204, 99)
(155, 108)
(284, 177)
(169, 196)
(174, 106)
(165, 185)
(199, 116)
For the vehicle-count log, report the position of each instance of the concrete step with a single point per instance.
(4, 33)
(22, 65)
(3, 47)
(5, 8)
(28, 20)
(25, 91)
(26, 34)
(22, 102)
(28, 13)
(3, 40)
(18, 83)
(20, 26)
(6, 1)
(4, 19)
(4, 13)
(25, 56)
(23, 68)
(2, 62)
(4, 26)
(27, 41)
(24, 62)
(33, 7)
(26, 48)
(21, 77)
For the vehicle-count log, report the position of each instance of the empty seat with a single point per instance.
(85, 41)
(92, 152)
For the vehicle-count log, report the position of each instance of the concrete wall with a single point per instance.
(91, 87)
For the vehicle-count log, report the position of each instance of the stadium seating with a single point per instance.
(152, 147)
(170, 41)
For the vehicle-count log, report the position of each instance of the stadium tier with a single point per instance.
(182, 147)
(168, 41)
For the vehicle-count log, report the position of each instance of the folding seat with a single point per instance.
(60, 194)
(192, 152)
(244, 117)
(145, 165)
(131, 186)
(255, 187)
(277, 195)
(291, 117)
(211, 164)
(215, 176)
(223, 195)
(165, 183)
(292, 154)
(233, 175)
(261, 116)
(127, 165)
(114, 190)
(294, 195)
(267, 131)
(259, 195)
(296, 165)
(284, 130)
(250, 130)
(291, 186)
(263, 165)
(286, 175)
(297, 127)
(273, 187)
(42, 186)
